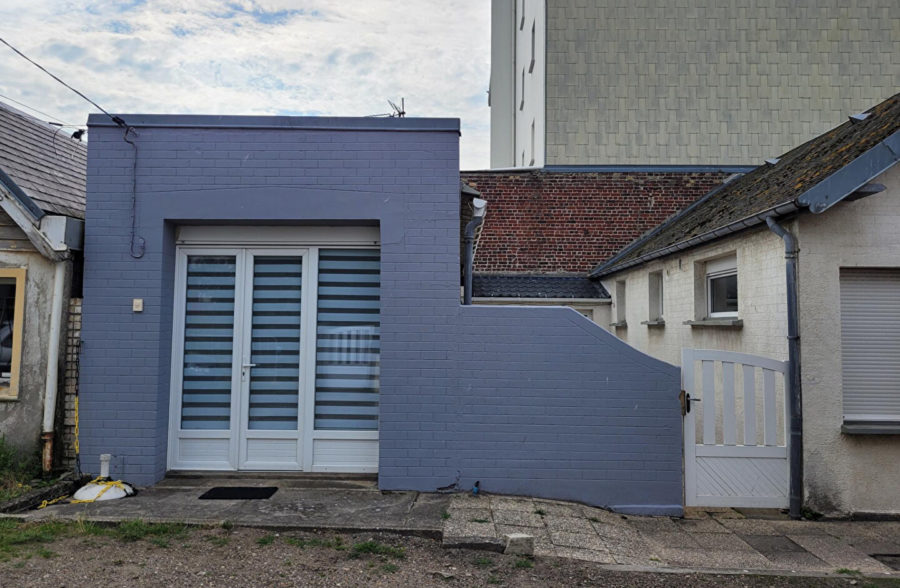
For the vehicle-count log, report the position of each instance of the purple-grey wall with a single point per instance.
(527, 400)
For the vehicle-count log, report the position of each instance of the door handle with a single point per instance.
(248, 365)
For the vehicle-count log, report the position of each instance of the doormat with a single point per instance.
(239, 493)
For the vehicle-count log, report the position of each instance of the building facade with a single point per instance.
(615, 82)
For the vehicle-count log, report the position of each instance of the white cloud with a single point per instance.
(299, 57)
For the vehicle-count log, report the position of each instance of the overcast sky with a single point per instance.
(289, 57)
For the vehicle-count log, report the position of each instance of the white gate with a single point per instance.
(735, 430)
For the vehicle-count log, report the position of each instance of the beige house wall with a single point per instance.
(844, 473)
(702, 82)
(761, 300)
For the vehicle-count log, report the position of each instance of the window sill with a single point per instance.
(722, 323)
(657, 323)
(871, 428)
(619, 325)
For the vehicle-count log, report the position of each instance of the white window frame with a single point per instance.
(715, 269)
(655, 292)
(243, 241)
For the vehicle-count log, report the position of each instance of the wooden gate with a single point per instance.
(735, 430)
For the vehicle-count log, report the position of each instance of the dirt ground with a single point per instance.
(73, 554)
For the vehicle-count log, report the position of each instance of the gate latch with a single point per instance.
(685, 399)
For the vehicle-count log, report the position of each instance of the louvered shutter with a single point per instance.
(870, 343)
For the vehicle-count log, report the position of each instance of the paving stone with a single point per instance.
(517, 517)
(552, 507)
(548, 550)
(570, 524)
(597, 556)
(654, 524)
(763, 514)
(470, 514)
(748, 526)
(726, 514)
(838, 554)
(577, 540)
(460, 528)
(767, 544)
(798, 527)
(872, 546)
(676, 540)
(518, 544)
(512, 503)
(724, 560)
(720, 542)
(796, 561)
(695, 513)
(599, 515)
(701, 526)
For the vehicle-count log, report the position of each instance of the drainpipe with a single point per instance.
(479, 207)
(794, 394)
(52, 379)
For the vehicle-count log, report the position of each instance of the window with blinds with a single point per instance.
(208, 342)
(870, 343)
(348, 339)
(275, 343)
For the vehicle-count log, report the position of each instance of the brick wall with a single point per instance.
(556, 222)
(70, 380)
(527, 400)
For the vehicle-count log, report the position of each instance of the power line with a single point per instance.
(50, 116)
(115, 119)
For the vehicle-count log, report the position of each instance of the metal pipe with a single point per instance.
(470, 255)
(794, 393)
(52, 379)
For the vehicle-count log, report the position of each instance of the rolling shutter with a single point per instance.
(870, 343)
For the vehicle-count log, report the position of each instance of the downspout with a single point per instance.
(479, 207)
(52, 379)
(795, 406)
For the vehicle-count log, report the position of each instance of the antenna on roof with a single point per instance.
(399, 111)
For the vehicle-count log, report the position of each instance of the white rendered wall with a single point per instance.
(761, 301)
(502, 93)
(844, 473)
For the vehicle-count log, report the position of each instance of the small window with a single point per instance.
(12, 310)
(531, 66)
(532, 142)
(620, 304)
(722, 287)
(656, 297)
(522, 95)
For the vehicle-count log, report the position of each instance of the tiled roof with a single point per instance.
(767, 187)
(44, 161)
(532, 286)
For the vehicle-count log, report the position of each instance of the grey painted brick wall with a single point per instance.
(527, 400)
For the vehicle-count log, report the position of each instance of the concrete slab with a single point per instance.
(569, 524)
(519, 518)
(769, 544)
(716, 542)
(839, 554)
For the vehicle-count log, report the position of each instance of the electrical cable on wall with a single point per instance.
(137, 242)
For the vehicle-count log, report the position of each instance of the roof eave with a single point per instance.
(818, 199)
(24, 200)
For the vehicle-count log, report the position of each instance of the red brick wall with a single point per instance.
(554, 222)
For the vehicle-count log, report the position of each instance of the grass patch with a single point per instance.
(494, 580)
(540, 511)
(594, 519)
(135, 530)
(217, 540)
(523, 564)
(848, 571)
(333, 543)
(479, 521)
(267, 540)
(375, 548)
(483, 561)
(390, 568)
(445, 515)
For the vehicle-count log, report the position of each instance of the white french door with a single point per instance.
(275, 359)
